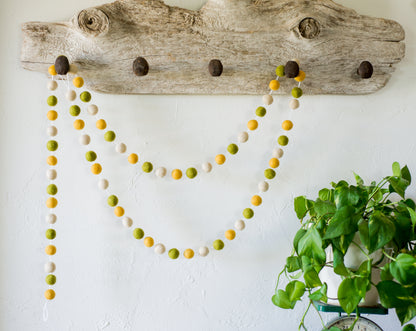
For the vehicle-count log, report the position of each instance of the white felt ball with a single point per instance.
(294, 104)
(71, 95)
(160, 172)
(242, 137)
(51, 218)
(127, 222)
(50, 267)
(92, 109)
(160, 249)
(52, 85)
(239, 225)
(52, 131)
(73, 69)
(51, 174)
(297, 61)
(206, 167)
(263, 186)
(278, 153)
(103, 184)
(267, 99)
(84, 139)
(121, 148)
(203, 251)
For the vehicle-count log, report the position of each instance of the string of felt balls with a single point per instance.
(248, 213)
(191, 172)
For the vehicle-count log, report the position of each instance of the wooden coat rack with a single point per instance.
(249, 37)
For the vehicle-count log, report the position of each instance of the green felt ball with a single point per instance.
(138, 233)
(109, 136)
(261, 111)
(147, 167)
(52, 145)
(112, 201)
(248, 213)
(232, 149)
(52, 100)
(283, 140)
(50, 234)
(173, 253)
(50, 279)
(280, 71)
(74, 110)
(85, 96)
(91, 156)
(297, 92)
(191, 173)
(269, 173)
(218, 244)
(52, 189)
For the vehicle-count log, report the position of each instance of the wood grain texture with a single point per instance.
(250, 37)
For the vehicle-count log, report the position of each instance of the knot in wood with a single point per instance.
(309, 28)
(93, 22)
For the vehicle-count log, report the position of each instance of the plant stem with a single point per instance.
(320, 316)
(390, 257)
(278, 278)
(302, 321)
(353, 242)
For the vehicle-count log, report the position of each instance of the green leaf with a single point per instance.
(311, 245)
(326, 194)
(406, 314)
(398, 185)
(396, 169)
(301, 206)
(346, 196)
(409, 327)
(348, 295)
(405, 173)
(281, 299)
(298, 236)
(310, 274)
(393, 295)
(293, 263)
(324, 207)
(404, 269)
(339, 266)
(343, 242)
(363, 282)
(295, 290)
(385, 272)
(320, 295)
(343, 222)
(412, 217)
(358, 179)
(377, 232)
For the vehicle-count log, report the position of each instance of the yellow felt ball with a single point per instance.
(101, 124)
(79, 124)
(148, 241)
(188, 253)
(96, 168)
(220, 159)
(51, 160)
(51, 202)
(230, 234)
(252, 125)
(287, 125)
(274, 85)
(256, 200)
(78, 82)
(133, 158)
(274, 163)
(301, 76)
(176, 174)
(50, 250)
(52, 70)
(52, 115)
(49, 294)
(119, 211)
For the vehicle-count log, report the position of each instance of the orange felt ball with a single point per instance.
(287, 125)
(119, 211)
(220, 159)
(230, 234)
(50, 250)
(274, 163)
(256, 200)
(188, 253)
(49, 294)
(148, 241)
(133, 158)
(96, 168)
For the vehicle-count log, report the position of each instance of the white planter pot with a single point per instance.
(353, 259)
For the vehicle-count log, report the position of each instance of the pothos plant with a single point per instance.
(384, 219)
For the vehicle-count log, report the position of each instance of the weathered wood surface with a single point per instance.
(250, 37)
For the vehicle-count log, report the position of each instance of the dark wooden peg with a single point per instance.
(292, 69)
(140, 66)
(215, 68)
(365, 70)
(61, 65)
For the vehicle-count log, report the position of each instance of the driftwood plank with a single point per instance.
(250, 37)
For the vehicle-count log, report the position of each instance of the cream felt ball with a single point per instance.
(103, 184)
(121, 148)
(52, 85)
(161, 172)
(267, 99)
(84, 139)
(263, 186)
(51, 218)
(51, 174)
(70, 95)
(49, 267)
(51, 131)
(160, 249)
(278, 153)
(127, 222)
(207, 167)
(242, 137)
(73, 69)
(92, 110)
(240, 225)
(203, 251)
(294, 104)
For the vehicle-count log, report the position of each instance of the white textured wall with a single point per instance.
(109, 281)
